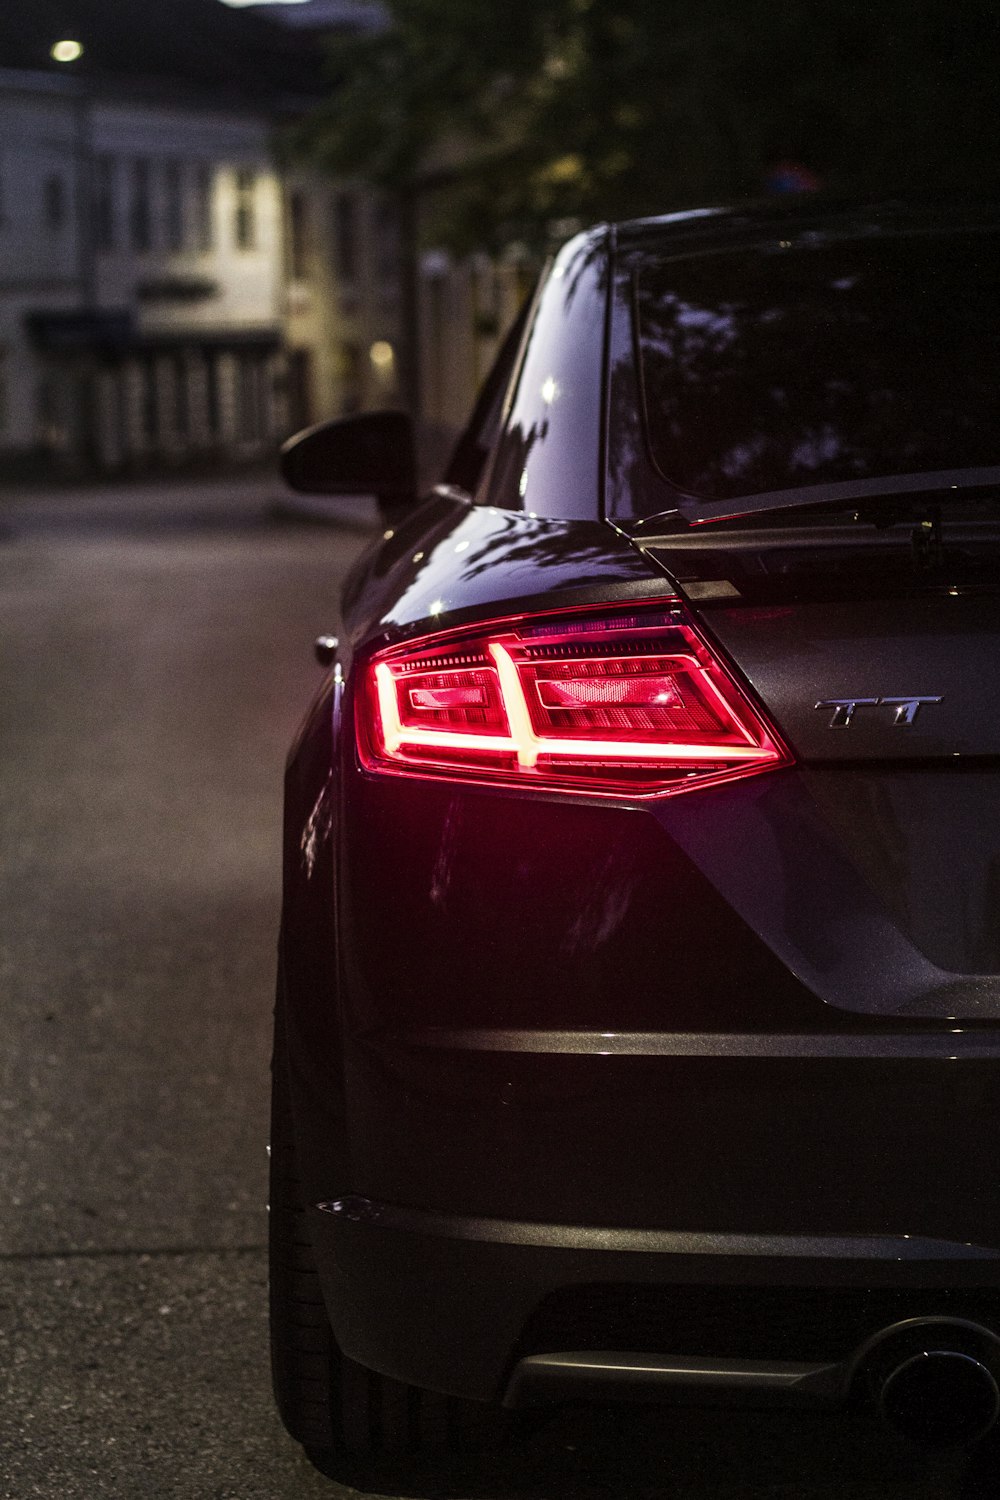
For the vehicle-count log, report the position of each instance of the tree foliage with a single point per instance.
(525, 112)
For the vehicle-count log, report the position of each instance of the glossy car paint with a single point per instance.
(740, 1038)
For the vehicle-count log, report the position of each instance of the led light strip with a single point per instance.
(394, 735)
(514, 701)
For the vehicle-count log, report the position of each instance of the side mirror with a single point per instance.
(372, 454)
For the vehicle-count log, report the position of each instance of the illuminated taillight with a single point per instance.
(607, 703)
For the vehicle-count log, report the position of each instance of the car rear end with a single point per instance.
(671, 1021)
(592, 1112)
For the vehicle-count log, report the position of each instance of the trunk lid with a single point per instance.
(861, 648)
(873, 868)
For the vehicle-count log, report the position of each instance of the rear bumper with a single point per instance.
(728, 1217)
(755, 1135)
(519, 1312)
(561, 1050)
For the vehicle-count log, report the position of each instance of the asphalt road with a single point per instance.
(154, 659)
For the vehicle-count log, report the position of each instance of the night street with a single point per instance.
(155, 659)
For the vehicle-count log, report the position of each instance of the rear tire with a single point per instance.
(334, 1407)
(304, 1359)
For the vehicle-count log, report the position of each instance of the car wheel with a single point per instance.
(328, 1403)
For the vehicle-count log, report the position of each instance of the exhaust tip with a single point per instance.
(941, 1398)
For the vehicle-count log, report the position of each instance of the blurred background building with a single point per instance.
(173, 288)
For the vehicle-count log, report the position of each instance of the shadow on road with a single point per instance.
(669, 1453)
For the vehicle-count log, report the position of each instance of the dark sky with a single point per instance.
(202, 42)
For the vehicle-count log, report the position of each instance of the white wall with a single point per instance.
(248, 281)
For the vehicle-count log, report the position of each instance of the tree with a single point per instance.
(518, 113)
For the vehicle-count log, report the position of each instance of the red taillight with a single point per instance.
(616, 704)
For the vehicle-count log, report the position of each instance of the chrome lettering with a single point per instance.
(844, 709)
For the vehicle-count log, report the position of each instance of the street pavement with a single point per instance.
(155, 656)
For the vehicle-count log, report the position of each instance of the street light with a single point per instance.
(66, 51)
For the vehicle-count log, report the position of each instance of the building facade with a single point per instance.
(171, 293)
(140, 277)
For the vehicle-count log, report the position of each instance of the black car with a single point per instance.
(638, 1011)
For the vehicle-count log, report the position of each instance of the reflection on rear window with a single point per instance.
(824, 361)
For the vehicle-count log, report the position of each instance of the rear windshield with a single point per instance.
(809, 363)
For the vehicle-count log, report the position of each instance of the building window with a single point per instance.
(213, 404)
(54, 202)
(203, 237)
(251, 398)
(105, 205)
(345, 236)
(141, 216)
(300, 383)
(46, 411)
(150, 404)
(182, 398)
(387, 244)
(173, 190)
(245, 222)
(298, 236)
(350, 379)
